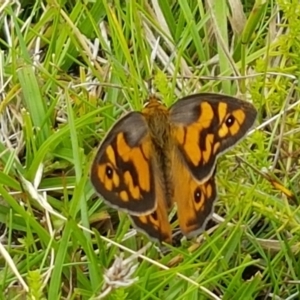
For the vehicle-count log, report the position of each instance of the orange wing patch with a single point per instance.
(206, 115)
(139, 157)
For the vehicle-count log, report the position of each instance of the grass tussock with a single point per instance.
(69, 69)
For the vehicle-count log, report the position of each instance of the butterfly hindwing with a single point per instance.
(194, 199)
(122, 171)
(156, 224)
(206, 125)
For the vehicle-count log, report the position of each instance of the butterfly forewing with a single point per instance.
(122, 171)
(206, 125)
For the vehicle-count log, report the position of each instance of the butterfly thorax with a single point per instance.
(157, 116)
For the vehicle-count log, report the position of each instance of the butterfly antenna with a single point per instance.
(152, 60)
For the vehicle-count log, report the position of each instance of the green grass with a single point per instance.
(69, 69)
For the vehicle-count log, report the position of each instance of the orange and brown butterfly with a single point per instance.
(152, 159)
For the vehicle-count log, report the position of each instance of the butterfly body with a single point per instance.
(152, 159)
(163, 145)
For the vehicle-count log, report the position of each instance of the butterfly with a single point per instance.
(153, 159)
